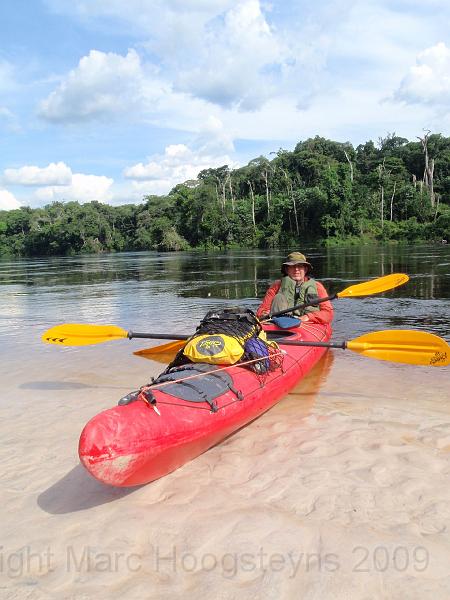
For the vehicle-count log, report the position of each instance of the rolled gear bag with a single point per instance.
(217, 349)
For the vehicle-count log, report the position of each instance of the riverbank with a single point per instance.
(72, 229)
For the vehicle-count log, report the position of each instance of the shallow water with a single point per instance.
(322, 497)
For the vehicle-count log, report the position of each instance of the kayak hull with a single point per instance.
(132, 445)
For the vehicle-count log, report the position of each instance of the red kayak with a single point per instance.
(142, 441)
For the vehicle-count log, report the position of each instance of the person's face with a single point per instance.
(297, 272)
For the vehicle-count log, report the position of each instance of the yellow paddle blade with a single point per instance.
(77, 334)
(163, 353)
(374, 286)
(405, 346)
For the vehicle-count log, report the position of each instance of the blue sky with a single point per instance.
(110, 100)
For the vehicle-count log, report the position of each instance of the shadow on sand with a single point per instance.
(79, 491)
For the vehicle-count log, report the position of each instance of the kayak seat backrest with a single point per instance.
(212, 384)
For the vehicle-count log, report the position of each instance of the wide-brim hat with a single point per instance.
(296, 258)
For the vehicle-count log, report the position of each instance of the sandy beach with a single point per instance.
(340, 491)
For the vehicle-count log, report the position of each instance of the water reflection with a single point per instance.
(147, 289)
(237, 274)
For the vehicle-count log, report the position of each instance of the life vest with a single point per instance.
(299, 294)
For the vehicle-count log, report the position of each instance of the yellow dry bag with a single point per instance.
(218, 349)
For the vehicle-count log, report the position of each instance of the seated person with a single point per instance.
(296, 287)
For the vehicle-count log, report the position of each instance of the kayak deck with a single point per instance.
(135, 444)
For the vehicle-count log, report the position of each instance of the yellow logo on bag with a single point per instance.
(218, 349)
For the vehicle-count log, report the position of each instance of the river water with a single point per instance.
(356, 457)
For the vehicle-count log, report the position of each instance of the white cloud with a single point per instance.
(241, 60)
(180, 162)
(428, 81)
(213, 138)
(224, 52)
(54, 174)
(7, 200)
(83, 188)
(102, 85)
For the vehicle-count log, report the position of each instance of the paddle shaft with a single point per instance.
(157, 336)
(342, 345)
(168, 336)
(304, 305)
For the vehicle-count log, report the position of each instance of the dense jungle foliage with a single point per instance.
(321, 191)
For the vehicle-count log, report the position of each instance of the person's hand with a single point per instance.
(304, 318)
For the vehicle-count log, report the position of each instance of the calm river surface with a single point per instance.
(355, 459)
(149, 291)
(170, 292)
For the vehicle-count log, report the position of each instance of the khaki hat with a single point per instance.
(296, 258)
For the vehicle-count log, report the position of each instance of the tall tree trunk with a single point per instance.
(291, 194)
(392, 199)
(253, 204)
(231, 192)
(428, 172)
(381, 175)
(431, 182)
(351, 165)
(266, 181)
(217, 196)
(437, 206)
(224, 194)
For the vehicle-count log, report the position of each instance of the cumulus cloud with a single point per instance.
(52, 175)
(241, 60)
(224, 52)
(243, 54)
(7, 200)
(56, 182)
(180, 162)
(428, 81)
(102, 85)
(83, 188)
(227, 53)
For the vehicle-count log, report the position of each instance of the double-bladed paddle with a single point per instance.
(405, 346)
(411, 347)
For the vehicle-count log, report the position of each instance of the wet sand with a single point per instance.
(340, 491)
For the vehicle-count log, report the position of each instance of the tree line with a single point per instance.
(322, 191)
